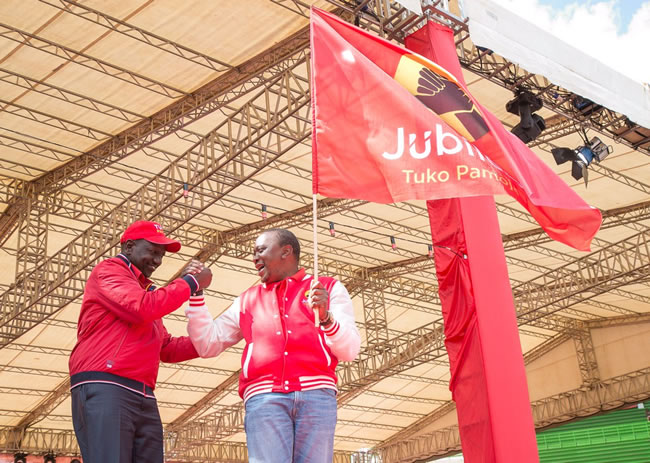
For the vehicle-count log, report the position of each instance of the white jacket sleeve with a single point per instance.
(211, 337)
(342, 336)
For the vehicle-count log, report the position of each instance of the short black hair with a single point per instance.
(285, 237)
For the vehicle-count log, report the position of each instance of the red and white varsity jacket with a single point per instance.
(284, 351)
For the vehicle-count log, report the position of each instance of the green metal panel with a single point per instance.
(621, 436)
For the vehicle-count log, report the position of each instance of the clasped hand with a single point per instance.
(199, 271)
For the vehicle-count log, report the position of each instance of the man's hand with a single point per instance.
(192, 268)
(319, 299)
(200, 272)
(204, 277)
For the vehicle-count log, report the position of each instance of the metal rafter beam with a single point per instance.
(603, 395)
(35, 149)
(374, 311)
(224, 388)
(45, 406)
(449, 407)
(88, 61)
(619, 321)
(61, 94)
(607, 172)
(260, 131)
(53, 121)
(611, 218)
(619, 264)
(390, 19)
(122, 27)
(586, 356)
(252, 74)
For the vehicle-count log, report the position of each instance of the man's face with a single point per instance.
(146, 256)
(270, 259)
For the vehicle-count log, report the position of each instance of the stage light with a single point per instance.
(530, 125)
(585, 106)
(484, 50)
(20, 457)
(582, 157)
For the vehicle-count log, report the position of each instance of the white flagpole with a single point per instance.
(315, 226)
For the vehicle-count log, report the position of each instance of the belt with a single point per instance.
(103, 377)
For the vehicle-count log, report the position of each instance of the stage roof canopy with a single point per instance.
(197, 114)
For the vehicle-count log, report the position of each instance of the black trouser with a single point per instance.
(116, 425)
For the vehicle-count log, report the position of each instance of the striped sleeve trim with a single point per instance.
(332, 329)
(197, 301)
(191, 281)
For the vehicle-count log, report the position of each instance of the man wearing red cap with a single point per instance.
(120, 342)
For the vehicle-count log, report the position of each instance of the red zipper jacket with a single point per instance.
(120, 330)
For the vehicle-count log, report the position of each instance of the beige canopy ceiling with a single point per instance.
(109, 110)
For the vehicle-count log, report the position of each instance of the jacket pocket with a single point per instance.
(247, 360)
(327, 356)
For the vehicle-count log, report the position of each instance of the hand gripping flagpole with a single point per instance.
(315, 280)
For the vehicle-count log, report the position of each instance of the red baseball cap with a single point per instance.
(150, 231)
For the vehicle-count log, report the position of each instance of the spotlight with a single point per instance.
(20, 457)
(487, 51)
(530, 125)
(582, 157)
(585, 106)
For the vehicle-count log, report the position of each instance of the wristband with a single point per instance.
(328, 319)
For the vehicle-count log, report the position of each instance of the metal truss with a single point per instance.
(450, 406)
(19, 169)
(586, 356)
(52, 121)
(619, 264)
(129, 30)
(59, 93)
(256, 134)
(35, 440)
(606, 172)
(602, 395)
(389, 19)
(374, 310)
(35, 149)
(43, 409)
(226, 387)
(420, 289)
(627, 215)
(256, 72)
(619, 321)
(83, 59)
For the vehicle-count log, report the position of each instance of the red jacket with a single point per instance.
(284, 351)
(120, 330)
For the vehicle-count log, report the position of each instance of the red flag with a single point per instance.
(390, 125)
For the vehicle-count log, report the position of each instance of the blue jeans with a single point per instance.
(296, 427)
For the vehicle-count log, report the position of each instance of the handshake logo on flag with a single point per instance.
(442, 95)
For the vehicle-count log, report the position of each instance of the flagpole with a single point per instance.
(315, 227)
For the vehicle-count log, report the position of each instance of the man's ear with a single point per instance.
(287, 250)
(127, 247)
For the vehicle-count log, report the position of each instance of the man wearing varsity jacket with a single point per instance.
(287, 378)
